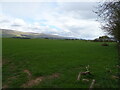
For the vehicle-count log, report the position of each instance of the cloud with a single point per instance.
(58, 18)
(18, 23)
(79, 10)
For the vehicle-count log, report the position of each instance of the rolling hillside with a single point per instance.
(13, 33)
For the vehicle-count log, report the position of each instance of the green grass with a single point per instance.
(44, 57)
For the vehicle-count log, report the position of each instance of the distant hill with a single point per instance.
(13, 33)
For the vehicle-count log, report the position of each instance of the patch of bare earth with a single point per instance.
(32, 82)
(37, 80)
(55, 75)
(5, 86)
(3, 62)
(28, 73)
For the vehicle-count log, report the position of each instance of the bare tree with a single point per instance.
(109, 15)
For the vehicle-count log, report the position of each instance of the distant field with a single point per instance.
(43, 63)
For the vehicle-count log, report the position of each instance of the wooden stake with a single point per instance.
(79, 75)
(92, 84)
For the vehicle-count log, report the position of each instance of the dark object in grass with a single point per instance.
(87, 72)
(105, 44)
(83, 73)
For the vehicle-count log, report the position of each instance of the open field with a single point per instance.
(43, 63)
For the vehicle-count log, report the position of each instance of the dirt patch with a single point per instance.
(104, 44)
(32, 82)
(3, 62)
(28, 73)
(37, 80)
(55, 75)
(5, 86)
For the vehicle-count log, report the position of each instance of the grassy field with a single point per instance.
(43, 63)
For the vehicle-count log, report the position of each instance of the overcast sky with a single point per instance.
(73, 19)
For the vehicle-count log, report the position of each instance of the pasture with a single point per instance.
(44, 63)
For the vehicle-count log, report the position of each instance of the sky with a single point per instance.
(69, 19)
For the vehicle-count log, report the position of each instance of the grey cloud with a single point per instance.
(16, 25)
(4, 21)
(75, 29)
(80, 9)
(75, 6)
(87, 15)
